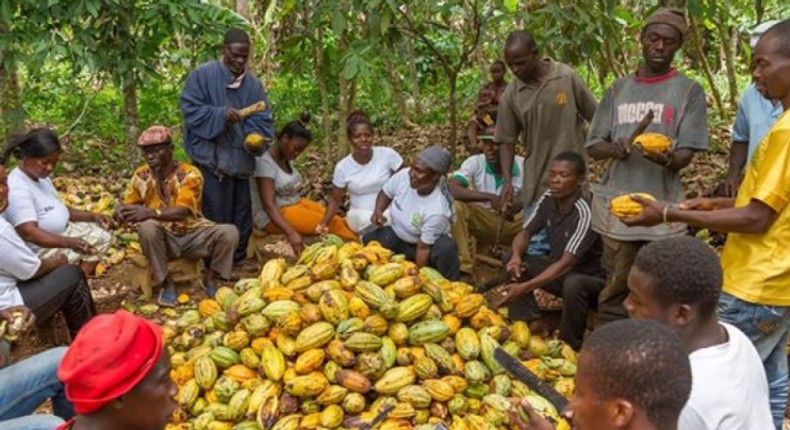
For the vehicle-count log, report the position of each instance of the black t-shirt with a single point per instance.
(568, 232)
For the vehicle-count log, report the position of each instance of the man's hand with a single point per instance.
(729, 187)
(663, 159)
(104, 221)
(513, 266)
(135, 213)
(295, 240)
(503, 294)
(536, 420)
(232, 115)
(496, 202)
(506, 195)
(707, 204)
(652, 212)
(378, 218)
(618, 148)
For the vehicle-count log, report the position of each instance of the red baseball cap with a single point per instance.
(109, 356)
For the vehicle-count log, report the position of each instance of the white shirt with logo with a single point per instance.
(414, 217)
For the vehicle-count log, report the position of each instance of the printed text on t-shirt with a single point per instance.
(631, 113)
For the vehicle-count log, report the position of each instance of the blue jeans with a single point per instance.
(24, 386)
(539, 242)
(768, 328)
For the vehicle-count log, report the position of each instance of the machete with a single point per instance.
(523, 374)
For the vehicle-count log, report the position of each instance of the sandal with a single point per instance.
(166, 299)
(210, 289)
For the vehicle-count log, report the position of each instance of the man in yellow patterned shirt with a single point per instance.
(164, 200)
(756, 257)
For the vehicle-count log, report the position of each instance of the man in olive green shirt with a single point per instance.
(545, 108)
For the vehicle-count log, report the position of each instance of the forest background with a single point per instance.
(99, 71)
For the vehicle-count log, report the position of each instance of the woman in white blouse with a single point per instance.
(361, 174)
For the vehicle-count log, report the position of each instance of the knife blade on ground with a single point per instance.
(385, 410)
(523, 374)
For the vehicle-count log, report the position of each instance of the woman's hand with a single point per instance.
(296, 242)
(80, 246)
(104, 221)
(321, 229)
(378, 218)
(28, 319)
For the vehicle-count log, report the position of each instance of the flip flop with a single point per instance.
(209, 288)
(166, 299)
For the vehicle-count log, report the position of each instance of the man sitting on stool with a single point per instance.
(164, 198)
(572, 270)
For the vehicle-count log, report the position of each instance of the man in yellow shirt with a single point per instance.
(756, 257)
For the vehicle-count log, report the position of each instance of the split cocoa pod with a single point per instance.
(624, 206)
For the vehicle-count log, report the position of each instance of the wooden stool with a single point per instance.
(181, 270)
(255, 245)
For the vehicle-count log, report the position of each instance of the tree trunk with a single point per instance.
(705, 65)
(323, 89)
(12, 114)
(397, 89)
(242, 7)
(759, 10)
(728, 49)
(414, 77)
(452, 79)
(130, 120)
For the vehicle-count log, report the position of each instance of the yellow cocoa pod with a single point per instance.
(259, 343)
(240, 373)
(309, 385)
(653, 143)
(314, 336)
(376, 324)
(358, 308)
(310, 421)
(278, 293)
(348, 274)
(272, 270)
(440, 390)
(183, 373)
(332, 416)
(273, 362)
(334, 306)
(290, 323)
(458, 383)
(254, 142)
(333, 394)
(623, 206)
(468, 305)
(208, 307)
(407, 286)
(309, 361)
(394, 379)
(339, 353)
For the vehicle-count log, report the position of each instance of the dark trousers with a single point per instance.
(226, 200)
(63, 289)
(579, 294)
(618, 257)
(444, 252)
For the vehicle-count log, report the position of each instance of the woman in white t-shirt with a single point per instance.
(362, 174)
(47, 224)
(420, 214)
(277, 206)
(44, 285)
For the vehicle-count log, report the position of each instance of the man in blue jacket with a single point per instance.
(215, 131)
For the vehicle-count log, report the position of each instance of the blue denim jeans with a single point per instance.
(768, 328)
(24, 386)
(539, 242)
